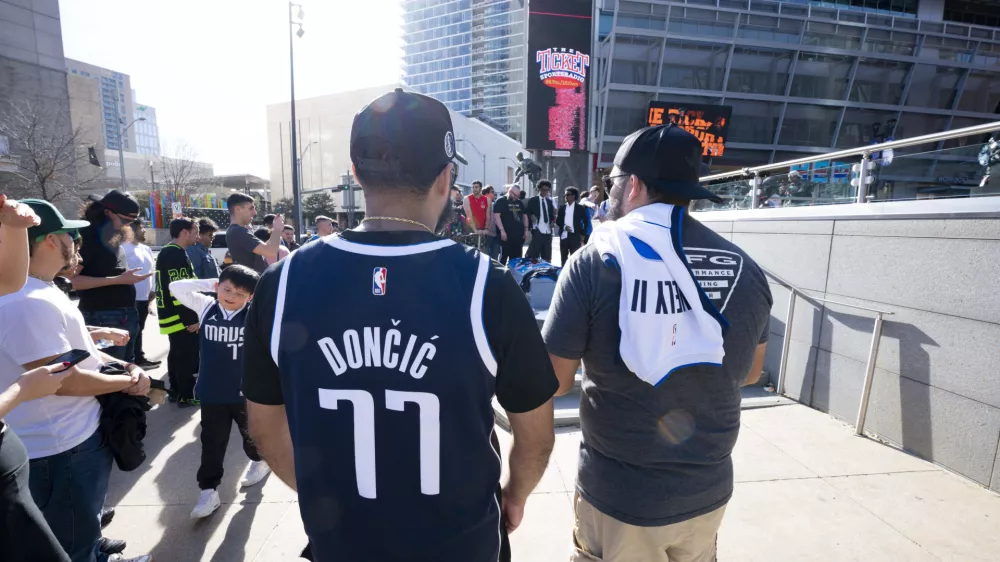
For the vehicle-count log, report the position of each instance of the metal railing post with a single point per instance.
(755, 190)
(866, 391)
(782, 370)
(861, 196)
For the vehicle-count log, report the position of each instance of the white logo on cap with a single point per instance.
(449, 144)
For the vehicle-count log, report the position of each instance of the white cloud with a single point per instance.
(210, 67)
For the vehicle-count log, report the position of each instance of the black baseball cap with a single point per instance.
(118, 202)
(403, 132)
(51, 220)
(667, 159)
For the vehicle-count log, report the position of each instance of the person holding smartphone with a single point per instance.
(24, 533)
(69, 461)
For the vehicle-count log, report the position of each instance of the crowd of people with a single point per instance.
(361, 367)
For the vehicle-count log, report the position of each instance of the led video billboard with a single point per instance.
(710, 123)
(559, 41)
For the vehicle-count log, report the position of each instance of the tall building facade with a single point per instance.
(801, 77)
(147, 133)
(470, 55)
(32, 73)
(114, 90)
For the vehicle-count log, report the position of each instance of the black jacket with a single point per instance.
(123, 424)
(581, 219)
(534, 210)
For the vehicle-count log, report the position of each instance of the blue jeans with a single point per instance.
(69, 488)
(121, 318)
(494, 247)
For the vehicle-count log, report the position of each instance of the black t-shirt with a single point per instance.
(510, 211)
(524, 380)
(103, 256)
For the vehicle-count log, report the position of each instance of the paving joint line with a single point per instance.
(877, 516)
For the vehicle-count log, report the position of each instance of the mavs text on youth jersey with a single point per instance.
(221, 355)
(386, 349)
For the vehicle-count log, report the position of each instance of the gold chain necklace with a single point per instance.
(397, 219)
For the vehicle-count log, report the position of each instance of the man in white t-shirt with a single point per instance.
(69, 461)
(140, 256)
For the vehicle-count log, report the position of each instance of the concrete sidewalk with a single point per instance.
(806, 489)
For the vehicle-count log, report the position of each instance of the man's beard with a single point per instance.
(615, 203)
(446, 215)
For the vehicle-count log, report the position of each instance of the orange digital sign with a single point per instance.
(709, 123)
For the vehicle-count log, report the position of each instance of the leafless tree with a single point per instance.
(182, 169)
(50, 156)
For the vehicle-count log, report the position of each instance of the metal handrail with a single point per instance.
(863, 151)
(866, 390)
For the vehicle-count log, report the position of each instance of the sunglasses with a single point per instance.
(609, 181)
(74, 235)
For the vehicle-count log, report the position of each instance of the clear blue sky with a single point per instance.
(210, 67)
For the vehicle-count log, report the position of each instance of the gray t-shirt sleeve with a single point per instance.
(567, 326)
(242, 240)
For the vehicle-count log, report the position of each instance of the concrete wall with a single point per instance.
(936, 391)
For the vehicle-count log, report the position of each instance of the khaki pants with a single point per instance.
(600, 537)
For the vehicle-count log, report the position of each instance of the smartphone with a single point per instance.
(72, 357)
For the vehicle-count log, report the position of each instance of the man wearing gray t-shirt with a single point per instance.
(655, 472)
(245, 248)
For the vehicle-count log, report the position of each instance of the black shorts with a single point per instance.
(24, 534)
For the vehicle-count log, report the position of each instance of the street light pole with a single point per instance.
(121, 153)
(302, 157)
(474, 147)
(296, 176)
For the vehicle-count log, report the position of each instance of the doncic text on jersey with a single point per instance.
(370, 349)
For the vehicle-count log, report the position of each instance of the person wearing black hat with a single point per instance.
(689, 312)
(70, 461)
(106, 285)
(371, 360)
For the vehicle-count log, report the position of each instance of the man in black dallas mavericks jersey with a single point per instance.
(372, 357)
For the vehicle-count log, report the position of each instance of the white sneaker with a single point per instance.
(208, 502)
(255, 473)
(121, 558)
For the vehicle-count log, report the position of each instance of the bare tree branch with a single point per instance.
(182, 169)
(51, 156)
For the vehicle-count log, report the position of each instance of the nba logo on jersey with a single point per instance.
(378, 281)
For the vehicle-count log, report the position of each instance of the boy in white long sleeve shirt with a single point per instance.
(220, 376)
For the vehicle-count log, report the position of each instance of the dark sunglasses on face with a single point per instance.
(609, 181)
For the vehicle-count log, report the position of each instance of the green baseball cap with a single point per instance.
(51, 219)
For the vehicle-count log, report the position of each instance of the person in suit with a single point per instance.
(573, 221)
(542, 214)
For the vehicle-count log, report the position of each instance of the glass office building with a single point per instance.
(470, 55)
(801, 77)
(116, 98)
(147, 133)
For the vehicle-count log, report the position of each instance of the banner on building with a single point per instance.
(559, 41)
(710, 123)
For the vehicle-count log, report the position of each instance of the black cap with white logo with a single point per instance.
(403, 132)
(667, 159)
